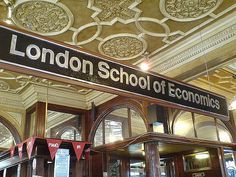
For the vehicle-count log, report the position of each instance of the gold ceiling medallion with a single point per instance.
(123, 46)
(188, 10)
(43, 17)
(109, 11)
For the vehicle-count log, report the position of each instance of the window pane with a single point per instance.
(98, 139)
(63, 125)
(224, 134)
(137, 123)
(230, 162)
(158, 127)
(120, 115)
(117, 126)
(71, 134)
(113, 131)
(205, 127)
(184, 125)
(6, 138)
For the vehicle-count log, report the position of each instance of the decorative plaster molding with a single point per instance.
(123, 46)
(62, 97)
(112, 11)
(220, 32)
(98, 98)
(43, 17)
(199, 49)
(17, 117)
(188, 10)
(4, 86)
(10, 100)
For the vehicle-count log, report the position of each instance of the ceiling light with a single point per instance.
(8, 21)
(204, 155)
(144, 66)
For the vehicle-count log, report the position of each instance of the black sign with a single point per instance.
(34, 53)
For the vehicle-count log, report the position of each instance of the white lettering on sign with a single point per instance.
(78, 147)
(62, 60)
(119, 75)
(189, 96)
(55, 145)
(106, 73)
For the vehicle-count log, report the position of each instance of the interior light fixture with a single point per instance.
(144, 66)
(232, 105)
(203, 155)
(8, 21)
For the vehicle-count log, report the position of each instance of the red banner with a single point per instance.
(30, 145)
(20, 149)
(12, 150)
(78, 148)
(53, 146)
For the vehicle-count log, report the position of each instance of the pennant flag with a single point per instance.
(53, 146)
(30, 145)
(12, 150)
(20, 149)
(78, 148)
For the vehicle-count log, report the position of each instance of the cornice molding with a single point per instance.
(10, 100)
(98, 98)
(198, 45)
(36, 93)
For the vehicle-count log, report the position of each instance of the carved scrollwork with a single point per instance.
(123, 46)
(188, 10)
(4, 86)
(43, 17)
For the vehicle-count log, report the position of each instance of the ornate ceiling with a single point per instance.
(175, 36)
(122, 29)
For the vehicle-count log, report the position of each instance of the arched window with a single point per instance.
(70, 133)
(6, 137)
(63, 125)
(118, 125)
(183, 126)
(200, 126)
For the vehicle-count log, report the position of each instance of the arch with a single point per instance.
(66, 128)
(226, 125)
(175, 116)
(12, 129)
(120, 103)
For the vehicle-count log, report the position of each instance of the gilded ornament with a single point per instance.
(114, 9)
(188, 10)
(123, 47)
(4, 86)
(43, 17)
